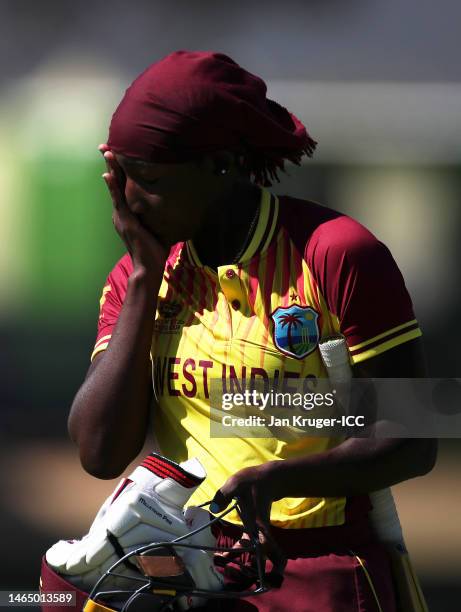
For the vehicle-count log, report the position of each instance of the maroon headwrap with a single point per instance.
(192, 103)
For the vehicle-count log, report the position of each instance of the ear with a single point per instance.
(223, 162)
(214, 162)
(230, 162)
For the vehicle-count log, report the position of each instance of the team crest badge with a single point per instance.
(296, 330)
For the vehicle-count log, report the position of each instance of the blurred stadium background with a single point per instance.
(378, 85)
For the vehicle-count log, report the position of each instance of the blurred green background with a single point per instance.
(377, 85)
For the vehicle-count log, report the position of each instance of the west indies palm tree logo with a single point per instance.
(296, 330)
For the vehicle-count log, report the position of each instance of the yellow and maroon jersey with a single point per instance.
(308, 272)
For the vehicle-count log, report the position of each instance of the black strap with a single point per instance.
(120, 552)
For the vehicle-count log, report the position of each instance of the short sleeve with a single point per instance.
(362, 286)
(111, 302)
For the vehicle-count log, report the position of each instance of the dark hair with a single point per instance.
(265, 165)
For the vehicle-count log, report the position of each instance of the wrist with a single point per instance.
(271, 476)
(282, 478)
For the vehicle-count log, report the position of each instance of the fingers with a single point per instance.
(254, 504)
(261, 508)
(249, 512)
(222, 558)
(121, 212)
(113, 167)
(103, 148)
(255, 512)
(114, 179)
(239, 563)
(118, 199)
(146, 249)
(219, 501)
(253, 501)
(246, 506)
(275, 555)
(112, 164)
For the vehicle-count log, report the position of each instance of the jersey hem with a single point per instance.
(393, 331)
(386, 345)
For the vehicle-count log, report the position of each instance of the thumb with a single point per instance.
(219, 502)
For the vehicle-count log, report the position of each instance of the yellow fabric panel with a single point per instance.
(218, 342)
(221, 325)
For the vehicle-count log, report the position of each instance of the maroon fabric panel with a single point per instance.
(51, 581)
(190, 103)
(322, 573)
(118, 281)
(113, 299)
(354, 271)
(316, 581)
(356, 531)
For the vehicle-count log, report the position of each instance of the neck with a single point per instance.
(227, 226)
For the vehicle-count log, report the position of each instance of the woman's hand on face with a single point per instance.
(146, 250)
(252, 489)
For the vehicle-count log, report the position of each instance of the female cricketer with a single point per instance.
(224, 281)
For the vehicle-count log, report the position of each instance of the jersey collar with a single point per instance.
(263, 234)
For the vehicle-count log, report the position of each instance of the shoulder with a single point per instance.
(115, 287)
(319, 231)
(122, 269)
(356, 275)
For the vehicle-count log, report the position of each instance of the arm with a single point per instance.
(354, 467)
(361, 465)
(109, 415)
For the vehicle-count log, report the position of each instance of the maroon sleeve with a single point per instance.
(362, 286)
(113, 295)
